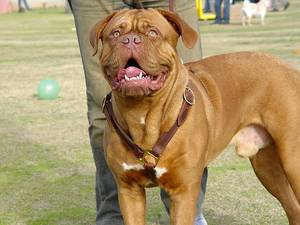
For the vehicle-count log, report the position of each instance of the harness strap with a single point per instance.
(110, 116)
(165, 138)
(162, 142)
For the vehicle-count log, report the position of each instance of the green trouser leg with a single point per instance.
(86, 14)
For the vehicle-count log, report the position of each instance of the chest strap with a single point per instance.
(164, 139)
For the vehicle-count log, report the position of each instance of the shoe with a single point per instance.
(286, 6)
(274, 10)
(216, 23)
(21, 10)
(225, 22)
(200, 220)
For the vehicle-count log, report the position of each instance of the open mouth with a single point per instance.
(133, 80)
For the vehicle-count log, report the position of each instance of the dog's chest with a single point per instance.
(138, 174)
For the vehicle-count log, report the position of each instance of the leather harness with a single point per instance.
(164, 139)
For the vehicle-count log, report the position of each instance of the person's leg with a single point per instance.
(26, 5)
(207, 6)
(19, 5)
(200, 220)
(274, 5)
(218, 7)
(226, 11)
(186, 9)
(285, 4)
(211, 3)
(86, 15)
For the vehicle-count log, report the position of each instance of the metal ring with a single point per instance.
(185, 97)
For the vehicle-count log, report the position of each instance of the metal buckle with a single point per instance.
(148, 152)
(185, 97)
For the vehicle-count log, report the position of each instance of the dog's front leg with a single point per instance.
(132, 201)
(244, 20)
(183, 206)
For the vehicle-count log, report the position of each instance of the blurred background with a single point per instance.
(35, 3)
(46, 165)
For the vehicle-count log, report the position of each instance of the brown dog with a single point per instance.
(249, 99)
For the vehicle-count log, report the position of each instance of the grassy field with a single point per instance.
(46, 165)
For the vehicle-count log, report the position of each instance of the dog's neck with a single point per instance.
(145, 118)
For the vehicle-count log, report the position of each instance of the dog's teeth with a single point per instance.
(140, 76)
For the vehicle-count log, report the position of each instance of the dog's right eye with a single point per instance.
(152, 33)
(116, 33)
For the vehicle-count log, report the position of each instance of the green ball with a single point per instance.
(48, 89)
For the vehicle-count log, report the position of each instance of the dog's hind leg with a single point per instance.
(290, 159)
(244, 20)
(249, 20)
(269, 171)
(262, 19)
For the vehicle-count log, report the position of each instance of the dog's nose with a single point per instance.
(132, 39)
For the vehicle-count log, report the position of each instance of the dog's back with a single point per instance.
(250, 9)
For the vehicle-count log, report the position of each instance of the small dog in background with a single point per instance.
(257, 8)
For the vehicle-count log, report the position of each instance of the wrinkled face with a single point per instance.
(138, 50)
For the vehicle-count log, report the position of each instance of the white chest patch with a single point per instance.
(127, 167)
(159, 171)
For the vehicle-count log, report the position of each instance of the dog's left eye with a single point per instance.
(116, 33)
(152, 33)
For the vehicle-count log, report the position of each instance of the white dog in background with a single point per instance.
(258, 10)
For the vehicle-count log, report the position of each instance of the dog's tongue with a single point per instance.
(133, 71)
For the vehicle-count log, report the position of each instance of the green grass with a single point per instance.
(46, 165)
(280, 36)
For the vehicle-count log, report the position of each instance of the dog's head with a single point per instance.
(138, 51)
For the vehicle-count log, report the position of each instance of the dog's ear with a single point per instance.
(188, 34)
(96, 32)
